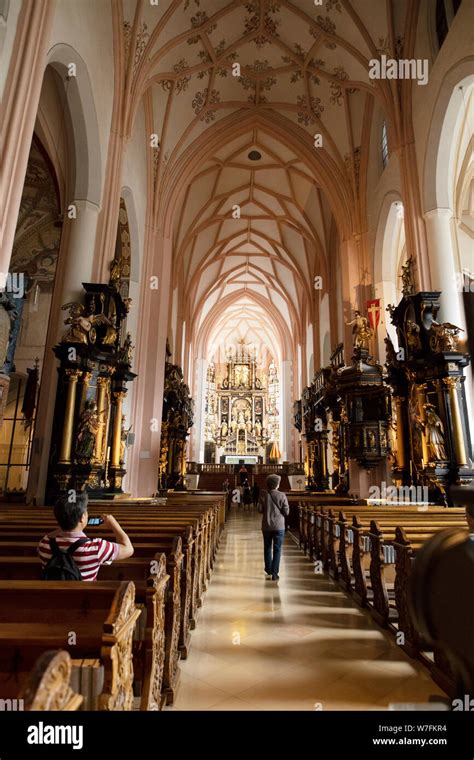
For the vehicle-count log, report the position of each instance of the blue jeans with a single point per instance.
(272, 539)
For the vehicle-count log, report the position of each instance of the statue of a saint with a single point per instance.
(412, 332)
(123, 439)
(407, 277)
(115, 271)
(224, 429)
(80, 324)
(87, 430)
(126, 352)
(390, 351)
(434, 432)
(361, 330)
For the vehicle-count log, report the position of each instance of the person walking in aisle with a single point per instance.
(274, 507)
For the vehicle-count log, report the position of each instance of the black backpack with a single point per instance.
(61, 566)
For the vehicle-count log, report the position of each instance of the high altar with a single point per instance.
(242, 417)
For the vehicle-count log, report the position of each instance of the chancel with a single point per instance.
(236, 337)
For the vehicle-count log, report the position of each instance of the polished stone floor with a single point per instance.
(296, 644)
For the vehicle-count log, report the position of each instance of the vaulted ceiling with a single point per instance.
(290, 81)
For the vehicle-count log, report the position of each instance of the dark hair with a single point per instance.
(67, 512)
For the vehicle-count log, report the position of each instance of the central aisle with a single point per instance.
(297, 644)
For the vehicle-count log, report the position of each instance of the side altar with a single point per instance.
(89, 435)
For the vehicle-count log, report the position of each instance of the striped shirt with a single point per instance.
(88, 557)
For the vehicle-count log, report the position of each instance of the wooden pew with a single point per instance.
(21, 540)
(140, 526)
(48, 685)
(439, 597)
(151, 592)
(37, 616)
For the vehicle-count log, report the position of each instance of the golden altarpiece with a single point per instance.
(89, 435)
(242, 406)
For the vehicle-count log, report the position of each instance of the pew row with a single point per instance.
(87, 620)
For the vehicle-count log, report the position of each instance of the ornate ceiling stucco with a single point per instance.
(304, 68)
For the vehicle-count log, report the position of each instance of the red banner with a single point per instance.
(373, 310)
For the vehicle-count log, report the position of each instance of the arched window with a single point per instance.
(384, 145)
(445, 13)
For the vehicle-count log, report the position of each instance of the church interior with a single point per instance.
(237, 241)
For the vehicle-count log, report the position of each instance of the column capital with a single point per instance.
(446, 213)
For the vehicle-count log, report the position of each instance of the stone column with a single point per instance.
(199, 393)
(446, 276)
(80, 250)
(286, 411)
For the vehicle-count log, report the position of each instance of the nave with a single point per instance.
(297, 644)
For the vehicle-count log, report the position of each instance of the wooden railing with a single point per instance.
(289, 468)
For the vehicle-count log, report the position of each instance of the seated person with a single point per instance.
(72, 517)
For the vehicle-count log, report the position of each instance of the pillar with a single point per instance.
(286, 411)
(446, 276)
(79, 253)
(66, 443)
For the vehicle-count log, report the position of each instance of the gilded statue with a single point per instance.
(407, 277)
(115, 270)
(80, 324)
(434, 432)
(445, 336)
(361, 330)
(412, 332)
(126, 352)
(87, 431)
(83, 326)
